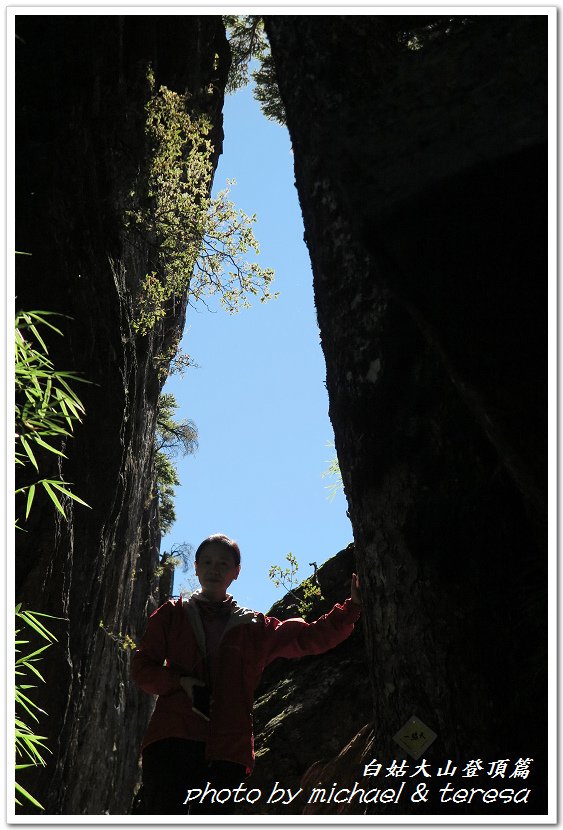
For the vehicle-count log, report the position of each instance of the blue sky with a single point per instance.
(258, 397)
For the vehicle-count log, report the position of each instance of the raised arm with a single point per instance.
(147, 667)
(297, 638)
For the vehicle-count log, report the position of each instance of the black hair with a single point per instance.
(220, 539)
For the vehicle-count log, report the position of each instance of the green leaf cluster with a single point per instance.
(285, 577)
(173, 439)
(46, 406)
(172, 360)
(30, 748)
(166, 480)
(333, 470)
(310, 593)
(196, 244)
(124, 641)
(168, 565)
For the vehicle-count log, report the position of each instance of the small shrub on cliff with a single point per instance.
(173, 438)
(124, 641)
(196, 244)
(333, 470)
(248, 42)
(287, 578)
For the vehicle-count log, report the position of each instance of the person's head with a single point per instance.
(217, 564)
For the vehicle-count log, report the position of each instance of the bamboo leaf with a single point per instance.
(27, 448)
(68, 493)
(33, 655)
(30, 496)
(47, 446)
(29, 744)
(48, 616)
(36, 671)
(40, 317)
(23, 701)
(30, 748)
(34, 331)
(27, 796)
(53, 496)
(37, 625)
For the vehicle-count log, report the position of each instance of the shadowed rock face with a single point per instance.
(422, 180)
(81, 90)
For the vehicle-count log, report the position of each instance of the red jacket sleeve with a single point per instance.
(297, 638)
(147, 667)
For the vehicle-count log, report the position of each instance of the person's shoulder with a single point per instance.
(170, 608)
(244, 615)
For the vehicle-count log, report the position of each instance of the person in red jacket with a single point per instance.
(210, 647)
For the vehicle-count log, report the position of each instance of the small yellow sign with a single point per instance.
(415, 737)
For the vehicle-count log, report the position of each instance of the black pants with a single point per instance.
(173, 766)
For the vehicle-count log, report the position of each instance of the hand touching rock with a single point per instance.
(355, 590)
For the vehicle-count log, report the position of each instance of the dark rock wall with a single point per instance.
(81, 89)
(422, 180)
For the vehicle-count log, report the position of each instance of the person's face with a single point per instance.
(215, 570)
